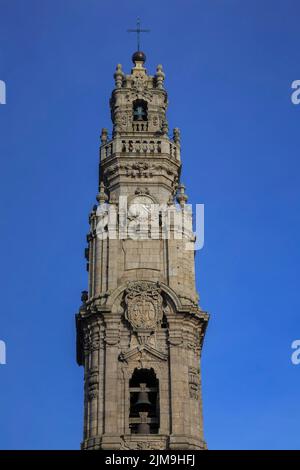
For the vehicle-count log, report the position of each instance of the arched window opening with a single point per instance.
(140, 110)
(144, 402)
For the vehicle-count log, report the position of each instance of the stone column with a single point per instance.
(125, 408)
(101, 365)
(164, 399)
(178, 386)
(86, 351)
(111, 437)
(93, 380)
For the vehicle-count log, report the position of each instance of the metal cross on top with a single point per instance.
(138, 31)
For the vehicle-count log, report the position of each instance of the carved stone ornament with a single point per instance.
(143, 305)
(132, 444)
(139, 82)
(93, 383)
(139, 92)
(194, 383)
(150, 445)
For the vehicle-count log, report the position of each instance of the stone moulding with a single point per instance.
(141, 353)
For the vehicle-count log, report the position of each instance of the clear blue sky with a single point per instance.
(229, 66)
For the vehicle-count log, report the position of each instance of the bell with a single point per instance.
(143, 427)
(143, 399)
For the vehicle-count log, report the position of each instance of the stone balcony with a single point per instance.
(140, 126)
(140, 147)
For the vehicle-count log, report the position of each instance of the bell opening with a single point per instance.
(144, 402)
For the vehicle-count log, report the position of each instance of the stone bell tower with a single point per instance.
(140, 329)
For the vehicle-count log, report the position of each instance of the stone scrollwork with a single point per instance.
(86, 343)
(95, 341)
(194, 383)
(143, 305)
(150, 445)
(93, 382)
(143, 445)
(139, 91)
(139, 82)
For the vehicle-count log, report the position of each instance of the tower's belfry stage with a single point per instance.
(139, 328)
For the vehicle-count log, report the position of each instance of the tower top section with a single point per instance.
(140, 152)
(139, 101)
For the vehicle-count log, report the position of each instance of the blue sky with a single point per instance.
(229, 66)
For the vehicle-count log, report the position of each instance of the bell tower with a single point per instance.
(139, 328)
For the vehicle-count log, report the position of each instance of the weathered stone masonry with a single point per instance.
(140, 329)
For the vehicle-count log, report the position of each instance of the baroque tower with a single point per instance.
(140, 329)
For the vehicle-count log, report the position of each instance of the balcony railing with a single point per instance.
(140, 126)
(140, 147)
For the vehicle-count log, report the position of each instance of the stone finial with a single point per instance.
(92, 213)
(102, 196)
(104, 136)
(170, 200)
(181, 196)
(139, 56)
(84, 296)
(160, 76)
(113, 199)
(139, 59)
(119, 76)
(176, 135)
(165, 128)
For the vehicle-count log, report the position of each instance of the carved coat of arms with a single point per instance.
(144, 305)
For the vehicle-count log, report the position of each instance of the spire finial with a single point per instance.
(181, 196)
(138, 31)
